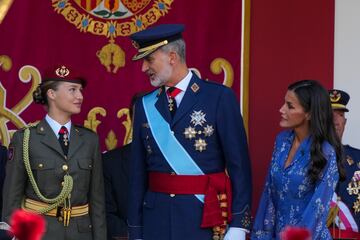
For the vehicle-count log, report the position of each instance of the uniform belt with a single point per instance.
(34, 206)
(342, 234)
(216, 187)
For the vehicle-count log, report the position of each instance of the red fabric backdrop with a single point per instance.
(33, 33)
(290, 40)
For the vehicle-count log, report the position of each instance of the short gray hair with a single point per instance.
(177, 46)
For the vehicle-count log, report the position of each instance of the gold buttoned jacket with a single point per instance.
(49, 165)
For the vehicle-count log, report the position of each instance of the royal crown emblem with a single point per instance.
(112, 19)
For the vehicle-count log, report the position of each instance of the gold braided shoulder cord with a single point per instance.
(65, 191)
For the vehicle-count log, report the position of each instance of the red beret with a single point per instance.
(62, 73)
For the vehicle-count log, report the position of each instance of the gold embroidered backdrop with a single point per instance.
(91, 36)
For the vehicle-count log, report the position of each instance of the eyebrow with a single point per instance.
(68, 84)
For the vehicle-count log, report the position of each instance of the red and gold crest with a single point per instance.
(112, 19)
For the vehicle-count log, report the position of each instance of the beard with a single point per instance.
(160, 78)
(157, 82)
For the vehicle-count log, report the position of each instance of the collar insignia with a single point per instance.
(195, 87)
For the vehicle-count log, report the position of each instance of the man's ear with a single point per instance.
(308, 116)
(173, 56)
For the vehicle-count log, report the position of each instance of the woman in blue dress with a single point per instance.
(305, 166)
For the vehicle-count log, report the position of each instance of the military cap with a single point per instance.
(63, 73)
(339, 99)
(149, 40)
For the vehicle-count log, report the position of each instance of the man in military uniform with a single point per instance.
(346, 202)
(54, 168)
(186, 133)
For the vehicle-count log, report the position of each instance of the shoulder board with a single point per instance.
(351, 148)
(211, 82)
(83, 128)
(28, 126)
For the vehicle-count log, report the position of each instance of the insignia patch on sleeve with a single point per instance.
(11, 153)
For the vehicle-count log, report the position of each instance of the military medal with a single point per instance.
(353, 189)
(198, 118)
(200, 145)
(66, 139)
(190, 132)
(208, 130)
(171, 104)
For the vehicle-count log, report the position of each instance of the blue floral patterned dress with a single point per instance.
(289, 198)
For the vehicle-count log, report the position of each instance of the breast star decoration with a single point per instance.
(198, 130)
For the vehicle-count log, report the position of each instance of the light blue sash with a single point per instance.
(174, 153)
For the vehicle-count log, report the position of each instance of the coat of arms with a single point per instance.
(112, 19)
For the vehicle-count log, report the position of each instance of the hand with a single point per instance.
(235, 233)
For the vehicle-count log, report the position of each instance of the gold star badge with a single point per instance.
(200, 145)
(190, 133)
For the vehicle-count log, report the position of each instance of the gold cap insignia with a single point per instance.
(62, 71)
(335, 96)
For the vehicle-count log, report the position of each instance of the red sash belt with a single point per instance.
(337, 233)
(216, 188)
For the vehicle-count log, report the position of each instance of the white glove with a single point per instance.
(235, 233)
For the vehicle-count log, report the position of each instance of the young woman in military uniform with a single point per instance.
(56, 171)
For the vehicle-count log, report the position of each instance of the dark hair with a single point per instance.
(314, 98)
(40, 93)
(134, 98)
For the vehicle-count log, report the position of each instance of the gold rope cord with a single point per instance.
(65, 191)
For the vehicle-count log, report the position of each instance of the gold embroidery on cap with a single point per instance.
(62, 71)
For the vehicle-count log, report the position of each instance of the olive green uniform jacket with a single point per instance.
(47, 160)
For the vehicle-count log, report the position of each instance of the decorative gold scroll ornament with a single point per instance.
(111, 19)
(26, 74)
(217, 66)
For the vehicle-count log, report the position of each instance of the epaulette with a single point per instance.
(214, 83)
(30, 125)
(352, 148)
(83, 128)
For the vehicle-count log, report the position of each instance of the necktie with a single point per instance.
(64, 139)
(171, 93)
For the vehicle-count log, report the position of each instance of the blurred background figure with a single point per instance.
(4, 235)
(116, 178)
(344, 217)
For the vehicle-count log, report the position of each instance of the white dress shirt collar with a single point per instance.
(182, 85)
(55, 126)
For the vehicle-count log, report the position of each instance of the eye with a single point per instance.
(149, 59)
(289, 105)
